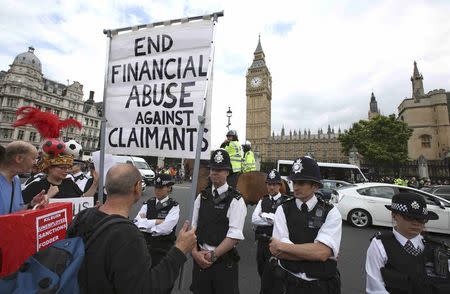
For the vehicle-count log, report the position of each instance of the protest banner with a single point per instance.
(78, 203)
(155, 90)
(23, 233)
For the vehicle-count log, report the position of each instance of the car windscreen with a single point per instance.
(351, 175)
(284, 169)
(141, 165)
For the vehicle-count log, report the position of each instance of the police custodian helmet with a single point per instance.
(220, 159)
(305, 169)
(273, 177)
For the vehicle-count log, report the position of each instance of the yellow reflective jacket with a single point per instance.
(248, 163)
(234, 149)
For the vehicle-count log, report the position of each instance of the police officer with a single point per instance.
(248, 162)
(306, 236)
(219, 215)
(234, 149)
(263, 217)
(404, 261)
(158, 219)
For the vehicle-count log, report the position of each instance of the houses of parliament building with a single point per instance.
(323, 145)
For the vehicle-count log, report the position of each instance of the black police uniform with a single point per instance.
(213, 224)
(303, 226)
(408, 270)
(263, 233)
(158, 244)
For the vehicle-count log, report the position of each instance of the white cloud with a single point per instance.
(334, 54)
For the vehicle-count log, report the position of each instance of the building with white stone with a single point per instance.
(24, 84)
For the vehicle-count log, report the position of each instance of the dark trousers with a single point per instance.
(262, 255)
(219, 278)
(278, 281)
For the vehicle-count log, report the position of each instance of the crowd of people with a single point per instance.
(413, 182)
(298, 238)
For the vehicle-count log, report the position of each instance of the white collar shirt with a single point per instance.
(329, 234)
(260, 218)
(377, 258)
(236, 215)
(150, 226)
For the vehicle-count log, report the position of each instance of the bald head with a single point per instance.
(121, 179)
(17, 148)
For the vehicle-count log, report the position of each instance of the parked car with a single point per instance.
(363, 205)
(438, 190)
(329, 186)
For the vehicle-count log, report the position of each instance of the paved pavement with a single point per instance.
(351, 260)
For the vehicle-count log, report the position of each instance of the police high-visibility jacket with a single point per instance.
(234, 149)
(248, 164)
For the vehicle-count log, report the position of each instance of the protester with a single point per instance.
(404, 261)
(18, 157)
(118, 260)
(219, 214)
(306, 237)
(56, 170)
(158, 219)
(263, 217)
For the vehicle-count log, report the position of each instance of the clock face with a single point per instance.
(256, 82)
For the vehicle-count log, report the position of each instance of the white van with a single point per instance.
(330, 171)
(147, 174)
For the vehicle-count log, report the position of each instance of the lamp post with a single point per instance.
(229, 114)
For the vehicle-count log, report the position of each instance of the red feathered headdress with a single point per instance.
(48, 124)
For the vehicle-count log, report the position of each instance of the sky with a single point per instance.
(325, 57)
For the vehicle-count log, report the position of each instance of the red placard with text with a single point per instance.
(25, 232)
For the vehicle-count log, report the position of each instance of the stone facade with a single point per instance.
(286, 145)
(428, 116)
(25, 85)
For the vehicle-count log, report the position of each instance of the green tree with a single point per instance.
(381, 140)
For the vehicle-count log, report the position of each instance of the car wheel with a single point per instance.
(359, 218)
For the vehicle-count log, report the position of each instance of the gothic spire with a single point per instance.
(259, 47)
(417, 83)
(416, 73)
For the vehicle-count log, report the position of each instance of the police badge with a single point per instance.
(272, 174)
(218, 158)
(297, 167)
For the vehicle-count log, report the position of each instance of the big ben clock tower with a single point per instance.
(259, 96)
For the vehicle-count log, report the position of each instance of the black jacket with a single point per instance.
(118, 260)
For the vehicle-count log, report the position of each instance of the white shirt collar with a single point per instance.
(220, 189)
(77, 174)
(162, 200)
(275, 197)
(310, 203)
(417, 240)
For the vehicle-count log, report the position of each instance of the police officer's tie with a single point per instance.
(409, 247)
(304, 208)
(216, 194)
(158, 205)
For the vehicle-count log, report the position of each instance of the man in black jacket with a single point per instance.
(118, 260)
